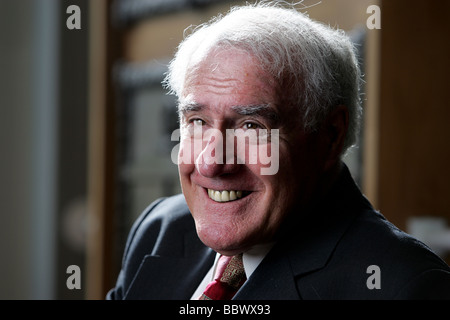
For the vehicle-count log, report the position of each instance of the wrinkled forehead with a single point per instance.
(228, 63)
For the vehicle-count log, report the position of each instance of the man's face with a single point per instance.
(229, 91)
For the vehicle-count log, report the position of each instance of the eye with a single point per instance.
(197, 122)
(251, 126)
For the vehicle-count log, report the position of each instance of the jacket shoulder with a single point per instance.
(159, 230)
(154, 222)
(376, 260)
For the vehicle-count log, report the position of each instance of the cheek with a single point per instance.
(186, 157)
(269, 158)
(260, 154)
(279, 169)
(190, 148)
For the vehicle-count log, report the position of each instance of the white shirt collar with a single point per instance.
(253, 257)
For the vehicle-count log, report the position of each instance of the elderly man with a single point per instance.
(293, 227)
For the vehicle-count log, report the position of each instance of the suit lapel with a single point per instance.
(272, 280)
(164, 278)
(172, 275)
(280, 275)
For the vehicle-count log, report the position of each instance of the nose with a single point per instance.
(216, 158)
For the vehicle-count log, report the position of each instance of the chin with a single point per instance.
(221, 238)
(229, 237)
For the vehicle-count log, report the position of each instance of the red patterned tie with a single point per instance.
(229, 277)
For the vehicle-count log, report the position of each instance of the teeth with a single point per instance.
(225, 195)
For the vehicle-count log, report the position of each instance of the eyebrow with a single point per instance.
(184, 108)
(259, 110)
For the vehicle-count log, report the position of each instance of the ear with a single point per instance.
(334, 131)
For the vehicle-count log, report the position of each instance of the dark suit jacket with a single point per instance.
(325, 255)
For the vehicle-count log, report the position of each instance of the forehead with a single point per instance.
(233, 61)
(230, 77)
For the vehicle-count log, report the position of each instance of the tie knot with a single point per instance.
(230, 270)
(229, 277)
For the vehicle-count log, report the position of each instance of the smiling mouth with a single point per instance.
(226, 195)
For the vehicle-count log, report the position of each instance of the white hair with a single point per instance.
(314, 65)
